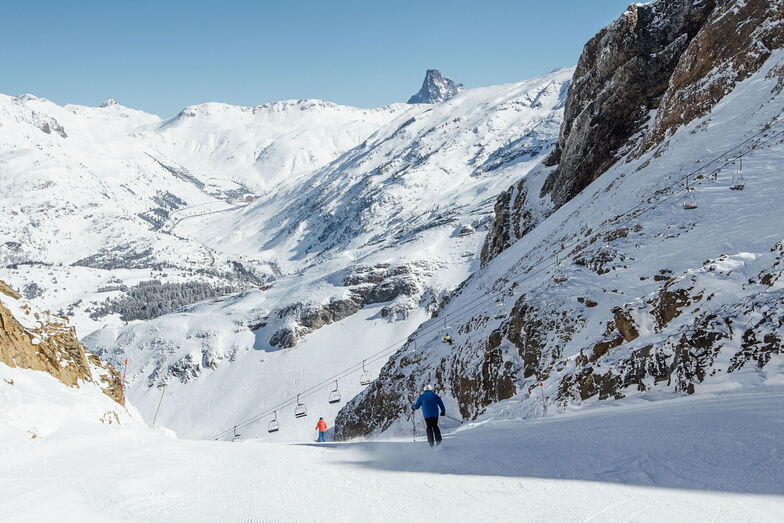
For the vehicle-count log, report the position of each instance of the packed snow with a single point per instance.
(717, 458)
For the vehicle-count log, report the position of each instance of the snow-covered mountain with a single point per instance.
(624, 265)
(319, 214)
(435, 88)
(94, 193)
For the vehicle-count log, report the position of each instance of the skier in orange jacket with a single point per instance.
(321, 426)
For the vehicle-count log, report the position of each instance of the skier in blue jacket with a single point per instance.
(431, 403)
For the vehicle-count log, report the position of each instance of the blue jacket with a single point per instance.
(430, 403)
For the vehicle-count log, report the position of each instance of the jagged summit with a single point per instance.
(436, 88)
(109, 102)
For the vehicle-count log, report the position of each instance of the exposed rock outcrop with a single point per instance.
(734, 43)
(622, 74)
(47, 124)
(436, 88)
(692, 334)
(109, 102)
(36, 340)
(365, 285)
(673, 59)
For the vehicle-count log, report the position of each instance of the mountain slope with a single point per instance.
(96, 195)
(659, 66)
(633, 308)
(430, 166)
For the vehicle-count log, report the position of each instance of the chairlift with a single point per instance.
(273, 425)
(560, 275)
(365, 378)
(300, 411)
(237, 436)
(737, 179)
(334, 396)
(690, 198)
(499, 312)
(448, 333)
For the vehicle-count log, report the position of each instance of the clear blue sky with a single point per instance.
(160, 56)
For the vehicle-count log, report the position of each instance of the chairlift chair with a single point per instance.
(448, 333)
(365, 378)
(273, 425)
(737, 179)
(499, 312)
(237, 436)
(300, 411)
(334, 396)
(560, 275)
(689, 199)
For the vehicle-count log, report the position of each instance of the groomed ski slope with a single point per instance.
(709, 458)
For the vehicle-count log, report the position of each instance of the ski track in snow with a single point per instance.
(721, 461)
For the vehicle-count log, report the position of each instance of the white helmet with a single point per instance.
(428, 387)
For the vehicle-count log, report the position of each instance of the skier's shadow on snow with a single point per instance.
(718, 449)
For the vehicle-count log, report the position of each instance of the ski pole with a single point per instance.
(450, 417)
(413, 426)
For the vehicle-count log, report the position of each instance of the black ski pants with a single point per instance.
(433, 430)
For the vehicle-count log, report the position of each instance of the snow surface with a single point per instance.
(718, 458)
(247, 380)
(36, 405)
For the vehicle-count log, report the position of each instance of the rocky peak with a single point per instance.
(436, 88)
(109, 102)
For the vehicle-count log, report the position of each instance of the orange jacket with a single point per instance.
(321, 426)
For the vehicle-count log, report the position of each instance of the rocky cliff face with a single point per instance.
(677, 337)
(37, 340)
(436, 88)
(657, 67)
(733, 44)
(621, 76)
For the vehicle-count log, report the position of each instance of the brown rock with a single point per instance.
(52, 347)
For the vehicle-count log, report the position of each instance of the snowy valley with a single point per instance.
(369, 242)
